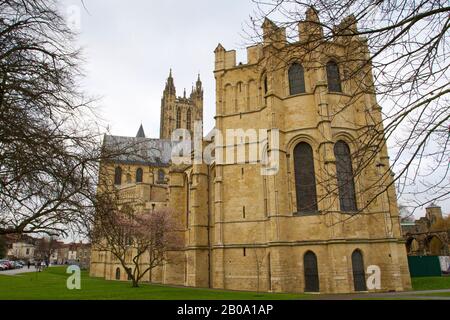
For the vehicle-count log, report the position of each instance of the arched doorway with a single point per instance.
(359, 275)
(311, 272)
(118, 274)
(435, 246)
(412, 246)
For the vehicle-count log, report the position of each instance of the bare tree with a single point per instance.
(405, 61)
(140, 241)
(44, 248)
(3, 247)
(50, 145)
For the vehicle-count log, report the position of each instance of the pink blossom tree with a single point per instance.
(140, 241)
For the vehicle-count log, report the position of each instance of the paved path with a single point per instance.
(18, 271)
(389, 295)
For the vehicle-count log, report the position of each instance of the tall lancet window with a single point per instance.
(344, 173)
(118, 176)
(266, 86)
(178, 118)
(333, 77)
(188, 119)
(139, 175)
(305, 179)
(296, 79)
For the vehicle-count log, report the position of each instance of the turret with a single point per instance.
(197, 96)
(168, 98)
(224, 59)
(433, 213)
(310, 29)
(347, 27)
(198, 86)
(273, 35)
(170, 86)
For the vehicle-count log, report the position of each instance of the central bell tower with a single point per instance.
(180, 112)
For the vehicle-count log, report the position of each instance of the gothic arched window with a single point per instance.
(305, 179)
(139, 175)
(161, 176)
(118, 176)
(333, 77)
(296, 79)
(344, 173)
(188, 119)
(118, 274)
(266, 86)
(178, 118)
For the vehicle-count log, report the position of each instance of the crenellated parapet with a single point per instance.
(311, 41)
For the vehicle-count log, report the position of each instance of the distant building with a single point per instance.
(62, 254)
(55, 252)
(22, 251)
(427, 236)
(74, 253)
(21, 247)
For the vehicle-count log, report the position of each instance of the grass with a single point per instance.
(51, 285)
(430, 283)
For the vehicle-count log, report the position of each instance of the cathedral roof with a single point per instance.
(141, 133)
(138, 150)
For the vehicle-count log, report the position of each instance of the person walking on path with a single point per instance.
(28, 264)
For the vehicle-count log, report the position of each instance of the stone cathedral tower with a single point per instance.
(320, 222)
(180, 112)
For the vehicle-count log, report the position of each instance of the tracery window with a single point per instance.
(296, 79)
(344, 173)
(305, 179)
(188, 119)
(139, 175)
(178, 119)
(333, 77)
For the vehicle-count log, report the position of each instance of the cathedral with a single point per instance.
(318, 223)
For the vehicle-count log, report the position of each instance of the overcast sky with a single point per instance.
(129, 47)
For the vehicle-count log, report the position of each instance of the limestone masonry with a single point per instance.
(312, 226)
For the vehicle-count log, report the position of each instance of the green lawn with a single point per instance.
(430, 283)
(51, 285)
